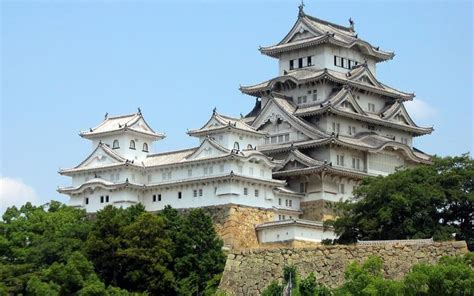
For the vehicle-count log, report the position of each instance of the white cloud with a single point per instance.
(420, 110)
(13, 192)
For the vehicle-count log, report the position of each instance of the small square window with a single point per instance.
(292, 66)
(309, 61)
(101, 199)
(246, 191)
(300, 63)
(154, 197)
(256, 192)
(195, 193)
(87, 200)
(200, 192)
(180, 195)
(159, 197)
(106, 198)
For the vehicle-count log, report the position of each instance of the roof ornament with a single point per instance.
(90, 129)
(351, 23)
(214, 111)
(106, 115)
(300, 9)
(139, 111)
(241, 115)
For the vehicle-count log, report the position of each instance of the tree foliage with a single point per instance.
(452, 276)
(58, 250)
(427, 201)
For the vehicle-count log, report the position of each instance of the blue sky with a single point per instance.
(65, 64)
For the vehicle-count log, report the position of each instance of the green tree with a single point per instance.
(198, 253)
(274, 289)
(33, 238)
(145, 256)
(426, 201)
(310, 287)
(451, 276)
(106, 238)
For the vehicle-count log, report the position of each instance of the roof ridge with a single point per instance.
(122, 116)
(171, 152)
(341, 27)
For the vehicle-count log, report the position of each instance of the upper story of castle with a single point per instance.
(317, 44)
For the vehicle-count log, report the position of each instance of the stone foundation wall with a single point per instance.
(317, 210)
(249, 272)
(235, 224)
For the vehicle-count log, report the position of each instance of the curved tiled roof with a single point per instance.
(288, 108)
(115, 124)
(365, 141)
(322, 31)
(121, 161)
(332, 105)
(305, 75)
(224, 122)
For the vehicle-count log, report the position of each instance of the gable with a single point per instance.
(208, 150)
(273, 115)
(401, 116)
(300, 30)
(293, 165)
(141, 125)
(365, 79)
(348, 103)
(99, 158)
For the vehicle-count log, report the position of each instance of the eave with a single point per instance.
(265, 88)
(210, 131)
(326, 168)
(277, 50)
(328, 109)
(95, 135)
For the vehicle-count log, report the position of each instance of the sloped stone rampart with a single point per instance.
(235, 224)
(248, 272)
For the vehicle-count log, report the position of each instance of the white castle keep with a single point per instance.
(316, 130)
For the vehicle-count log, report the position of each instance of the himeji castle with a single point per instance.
(319, 127)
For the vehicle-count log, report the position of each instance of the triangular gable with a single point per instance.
(273, 111)
(293, 164)
(101, 156)
(345, 101)
(401, 116)
(208, 149)
(300, 28)
(141, 125)
(363, 75)
(298, 160)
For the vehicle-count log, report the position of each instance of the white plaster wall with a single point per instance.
(124, 199)
(227, 139)
(124, 140)
(323, 57)
(384, 162)
(293, 232)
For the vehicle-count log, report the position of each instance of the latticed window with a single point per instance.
(116, 144)
(132, 144)
(145, 147)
